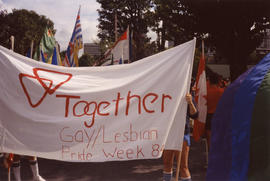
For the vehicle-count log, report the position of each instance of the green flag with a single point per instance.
(45, 50)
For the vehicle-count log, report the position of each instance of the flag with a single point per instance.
(46, 47)
(28, 54)
(240, 139)
(56, 59)
(75, 44)
(120, 51)
(201, 100)
(42, 57)
(95, 114)
(65, 62)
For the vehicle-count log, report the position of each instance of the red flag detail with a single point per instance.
(201, 100)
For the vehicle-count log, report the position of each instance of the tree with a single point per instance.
(172, 22)
(86, 60)
(129, 13)
(4, 29)
(235, 28)
(25, 26)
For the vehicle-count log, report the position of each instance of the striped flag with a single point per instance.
(200, 98)
(75, 44)
(46, 47)
(56, 58)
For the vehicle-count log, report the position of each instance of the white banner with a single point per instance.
(85, 114)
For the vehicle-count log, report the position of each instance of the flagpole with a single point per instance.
(12, 39)
(206, 146)
(112, 60)
(129, 43)
(202, 49)
(115, 26)
(178, 166)
(40, 52)
(31, 49)
(180, 152)
(8, 160)
(9, 174)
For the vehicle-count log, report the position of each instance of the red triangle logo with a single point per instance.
(49, 89)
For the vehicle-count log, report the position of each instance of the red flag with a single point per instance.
(200, 98)
(120, 50)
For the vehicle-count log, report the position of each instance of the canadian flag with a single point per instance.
(120, 50)
(200, 98)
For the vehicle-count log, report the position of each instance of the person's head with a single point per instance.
(213, 78)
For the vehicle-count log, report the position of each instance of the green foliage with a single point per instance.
(134, 14)
(86, 60)
(177, 24)
(25, 26)
(235, 28)
(4, 29)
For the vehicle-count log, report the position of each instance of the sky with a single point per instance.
(63, 14)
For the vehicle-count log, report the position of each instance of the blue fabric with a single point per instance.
(187, 139)
(28, 54)
(54, 57)
(229, 151)
(219, 164)
(42, 57)
(241, 119)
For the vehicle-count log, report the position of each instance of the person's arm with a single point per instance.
(192, 109)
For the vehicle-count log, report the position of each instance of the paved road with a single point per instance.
(143, 170)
